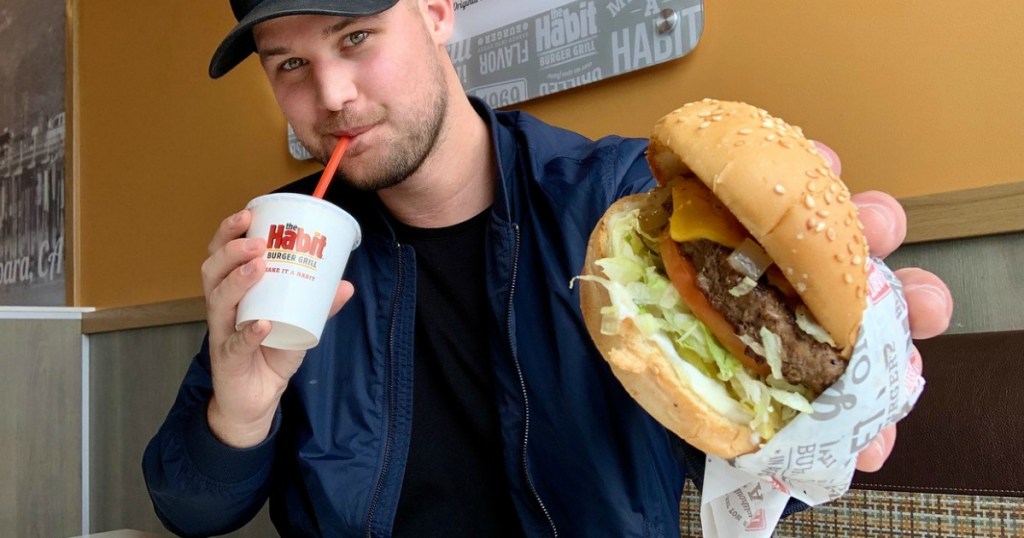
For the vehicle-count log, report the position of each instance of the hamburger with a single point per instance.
(729, 296)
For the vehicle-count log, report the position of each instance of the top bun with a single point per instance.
(783, 190)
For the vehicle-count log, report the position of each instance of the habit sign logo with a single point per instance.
(290, 243)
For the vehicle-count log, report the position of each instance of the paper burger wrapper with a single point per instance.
(813, 458)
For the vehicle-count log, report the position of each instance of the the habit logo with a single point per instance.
(291, 237)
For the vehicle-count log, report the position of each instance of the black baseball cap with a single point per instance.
(239, 42)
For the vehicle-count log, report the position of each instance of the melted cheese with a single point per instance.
(698, 214)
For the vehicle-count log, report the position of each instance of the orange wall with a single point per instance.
(917, 97)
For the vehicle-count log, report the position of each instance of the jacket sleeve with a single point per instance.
(198, 485)
(634, 174)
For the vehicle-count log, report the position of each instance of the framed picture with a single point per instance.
(32, 134)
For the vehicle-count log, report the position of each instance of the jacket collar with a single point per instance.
(505, 145)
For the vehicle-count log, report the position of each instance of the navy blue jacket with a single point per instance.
(582, 458)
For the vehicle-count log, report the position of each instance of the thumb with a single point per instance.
(344, 292)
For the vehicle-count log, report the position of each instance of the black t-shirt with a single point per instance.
(455, 483)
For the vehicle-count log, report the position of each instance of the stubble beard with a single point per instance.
(402, 155)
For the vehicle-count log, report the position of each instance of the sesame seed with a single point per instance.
(813, 186)
(824, 213)
(771, 137)
(811, 223)
(804, 276)
(800, 236)
(840, 258)
(746, 131)
(828, 198)
(856, 260)
(785, 143)
(703, 113)
(768, 124)
(820, 227)
(801, 287)
(834, 187)
(847, 278)
(841, 198)
(780, 189)
(705, 125)
(831, 234)
(716, 117)
(812, 173)
(850, 248)
(789, 271)
(808, 202)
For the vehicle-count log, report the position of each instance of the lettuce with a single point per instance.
(634, 276)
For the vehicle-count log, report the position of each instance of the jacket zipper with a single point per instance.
(522, 385)
(390, 398)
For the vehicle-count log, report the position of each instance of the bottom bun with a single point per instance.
(644, 369)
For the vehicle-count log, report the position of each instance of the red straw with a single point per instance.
(332, 165)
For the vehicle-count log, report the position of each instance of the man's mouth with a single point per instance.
(351, 132)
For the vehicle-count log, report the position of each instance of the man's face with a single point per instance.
(377, 80)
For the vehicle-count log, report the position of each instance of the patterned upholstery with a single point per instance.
(883, 514)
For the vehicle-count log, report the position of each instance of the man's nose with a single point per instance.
(335, 84)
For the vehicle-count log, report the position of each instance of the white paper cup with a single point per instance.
(308, 245)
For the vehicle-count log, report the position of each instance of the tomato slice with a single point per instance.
(683, 275)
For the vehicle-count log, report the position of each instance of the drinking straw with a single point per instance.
(332, 166)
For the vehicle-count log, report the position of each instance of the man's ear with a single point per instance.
(439, 16)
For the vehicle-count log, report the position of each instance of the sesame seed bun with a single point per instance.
(784, 192)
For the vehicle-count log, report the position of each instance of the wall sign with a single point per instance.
(508, 51)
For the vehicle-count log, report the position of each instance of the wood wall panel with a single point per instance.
(134, 378)
(983, 274)
(40, 428)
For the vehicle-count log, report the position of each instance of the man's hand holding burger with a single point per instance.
(928, 299)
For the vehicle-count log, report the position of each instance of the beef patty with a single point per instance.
(805, 361)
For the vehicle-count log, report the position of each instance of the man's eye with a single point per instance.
(356, 38)
(291, 64)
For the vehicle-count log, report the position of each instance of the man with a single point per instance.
(473, 223)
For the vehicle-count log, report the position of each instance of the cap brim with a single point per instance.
(239, 42)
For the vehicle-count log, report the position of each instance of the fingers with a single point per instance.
(874, 455)
(929, 302)
(230, 228)
(831, 156)
(234, 265)
(915, 359)
(341, 296)
(222, 301)
(227, 251)
(228, 258)
(885, 222)
(239, 347)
